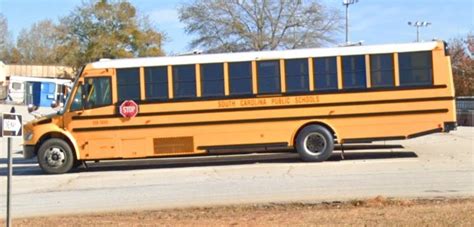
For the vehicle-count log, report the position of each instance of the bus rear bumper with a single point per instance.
(449, 126)
(28, 151)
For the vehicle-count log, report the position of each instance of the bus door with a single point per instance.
(91, 109)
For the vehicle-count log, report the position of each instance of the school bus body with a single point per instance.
(262, 122)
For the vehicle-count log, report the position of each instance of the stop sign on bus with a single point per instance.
(128, 109)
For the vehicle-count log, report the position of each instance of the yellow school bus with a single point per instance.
(306, 100)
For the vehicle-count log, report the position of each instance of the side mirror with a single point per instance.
(32, 108)
(54, 104)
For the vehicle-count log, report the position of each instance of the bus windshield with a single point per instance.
(68, 97)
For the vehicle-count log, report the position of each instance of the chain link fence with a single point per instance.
(465, 110)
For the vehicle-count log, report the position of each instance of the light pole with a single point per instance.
(346, 3)
(419, 24)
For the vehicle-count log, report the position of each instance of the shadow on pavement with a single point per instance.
(19, 161)
(221, 160)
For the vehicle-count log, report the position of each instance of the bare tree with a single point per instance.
(3, 30)
(240, 25)
(5, 41)
(38, 44)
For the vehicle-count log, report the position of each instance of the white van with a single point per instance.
(16, 91)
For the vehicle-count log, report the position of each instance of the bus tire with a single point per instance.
(314, 143)
(55, 156)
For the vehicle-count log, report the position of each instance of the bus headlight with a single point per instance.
(28, 136)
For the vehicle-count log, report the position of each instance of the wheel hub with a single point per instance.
(315, 143)
(55, 157)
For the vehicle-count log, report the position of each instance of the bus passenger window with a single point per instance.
(296, 73)
(97, 92)
(212, 80)
(128, 84)
(353, 72)
(415, 68)
(184, 81)
(240, 78)
(325, 73)
(156, 83)
(268, 77)
(381, 70)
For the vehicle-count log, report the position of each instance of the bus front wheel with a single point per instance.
(55, 156)
(314, 143)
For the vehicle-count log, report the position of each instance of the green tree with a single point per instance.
(39, 44)
(106, 29)
(462, 61)
(240, 25)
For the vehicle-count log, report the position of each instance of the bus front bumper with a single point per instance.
(28, 151)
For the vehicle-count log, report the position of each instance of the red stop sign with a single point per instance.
(128, 109)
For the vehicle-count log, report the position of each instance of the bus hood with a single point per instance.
(43, 119)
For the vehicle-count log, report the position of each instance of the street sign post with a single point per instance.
(10, 126)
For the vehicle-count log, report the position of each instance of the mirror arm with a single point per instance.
(83, 96)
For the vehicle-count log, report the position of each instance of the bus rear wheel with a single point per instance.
(55, 156)
(314, 143)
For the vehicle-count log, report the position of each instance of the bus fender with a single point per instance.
(323, 123)
(73, 142)
(59, 133)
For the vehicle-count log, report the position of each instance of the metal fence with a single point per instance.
(465, 110)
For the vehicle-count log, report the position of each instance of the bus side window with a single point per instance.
(325, 73)
(381, 70)
(268, 77)
(416, 68)
(128, 84)
(240, 78)
(296, 72)
(97, 92)
(353, 72)
(184, 81)
(156, 83)
(212, 80)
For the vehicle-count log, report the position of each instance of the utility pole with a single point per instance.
(346, 3)
(419, 24)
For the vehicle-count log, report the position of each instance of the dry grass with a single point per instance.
(378, 211)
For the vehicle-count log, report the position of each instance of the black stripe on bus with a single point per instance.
(302, 93)
(371, 139)
(424, 133)
(245, 146)
(242, 121)
(448, 98)
(411, 136)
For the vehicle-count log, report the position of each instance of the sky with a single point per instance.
(370, 21)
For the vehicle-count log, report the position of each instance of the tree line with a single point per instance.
(115, 29)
